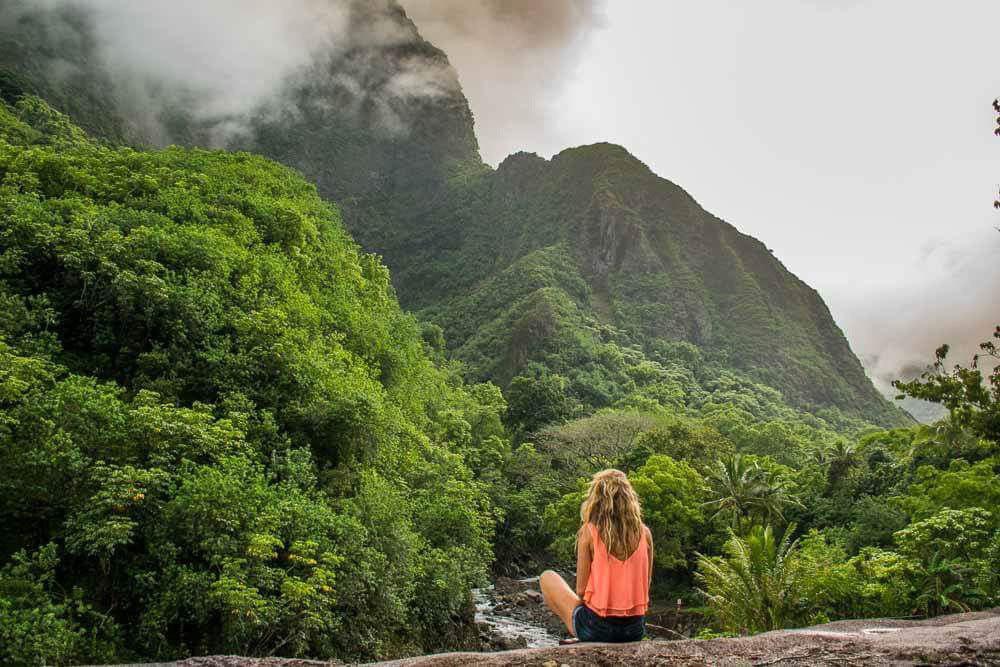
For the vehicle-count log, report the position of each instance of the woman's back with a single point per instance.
(618, 587)
(614, 556)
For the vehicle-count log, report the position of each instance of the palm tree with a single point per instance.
(942, 585)
(755, 586)
(745, 492)
(840, 457)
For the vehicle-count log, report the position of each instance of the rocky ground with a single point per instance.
(960, 639)
(521, 601)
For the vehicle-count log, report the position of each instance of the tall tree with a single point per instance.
(971, 402)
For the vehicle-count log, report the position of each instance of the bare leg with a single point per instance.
(559, 597)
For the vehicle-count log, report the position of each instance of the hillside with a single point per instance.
(212, 404)
(544, 254)
(530, 266)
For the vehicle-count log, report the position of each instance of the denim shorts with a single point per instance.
(589, 627)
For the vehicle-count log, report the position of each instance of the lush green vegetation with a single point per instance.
(218, 431)
(588, 266)
(904, 522)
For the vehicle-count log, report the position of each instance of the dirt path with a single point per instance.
(959, 639)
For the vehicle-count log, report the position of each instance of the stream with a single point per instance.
(512, 616)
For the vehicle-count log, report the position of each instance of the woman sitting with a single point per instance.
(614, 565)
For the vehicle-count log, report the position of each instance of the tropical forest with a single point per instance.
(306, 384)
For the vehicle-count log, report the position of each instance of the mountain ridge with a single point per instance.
(632, 251)
(644, 257)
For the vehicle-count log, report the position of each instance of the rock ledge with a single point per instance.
(960, 639)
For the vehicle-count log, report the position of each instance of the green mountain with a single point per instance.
(534, 260)
(588, 267)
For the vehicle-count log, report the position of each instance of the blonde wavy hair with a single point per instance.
(612, 505)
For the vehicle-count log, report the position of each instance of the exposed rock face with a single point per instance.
(960, 639)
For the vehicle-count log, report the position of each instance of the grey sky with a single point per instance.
(853, 137)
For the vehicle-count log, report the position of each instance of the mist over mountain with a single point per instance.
(365, 107)
(374, 114)
(173, 69)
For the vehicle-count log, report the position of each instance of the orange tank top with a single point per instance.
(617, 587)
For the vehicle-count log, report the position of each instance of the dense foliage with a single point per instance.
(588, 267)
(782, 523)
(218, 431)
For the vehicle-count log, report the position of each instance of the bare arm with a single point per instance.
(584, 555)
(649, 541)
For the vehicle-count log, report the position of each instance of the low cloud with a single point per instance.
(515, 56)
(953, 297)
(222, 62)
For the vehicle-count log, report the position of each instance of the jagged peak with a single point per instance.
(602, 152)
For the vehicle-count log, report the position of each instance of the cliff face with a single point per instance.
(384, 149)
(535, 263)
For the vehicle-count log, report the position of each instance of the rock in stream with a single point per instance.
(510, 614)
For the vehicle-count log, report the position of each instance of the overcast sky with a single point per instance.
(853, 137)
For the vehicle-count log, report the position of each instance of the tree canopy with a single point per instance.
(218, 430)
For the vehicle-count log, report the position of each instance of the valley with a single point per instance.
(311, 379)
